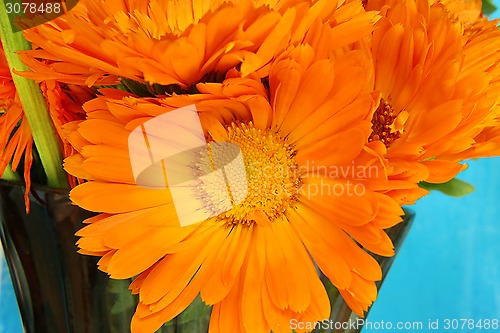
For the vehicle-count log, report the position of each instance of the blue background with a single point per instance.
(448, 266)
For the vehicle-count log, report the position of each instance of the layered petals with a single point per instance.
(437, 78)
(256, 263)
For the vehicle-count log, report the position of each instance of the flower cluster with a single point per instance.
(341, 111)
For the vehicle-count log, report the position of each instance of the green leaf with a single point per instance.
(488, 7)
(124, 299)
(454, 187)
(137, 88)
(195, 318)
(10, 175)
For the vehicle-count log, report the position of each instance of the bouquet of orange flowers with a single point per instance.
(234, 149)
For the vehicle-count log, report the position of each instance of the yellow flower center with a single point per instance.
(383, 124)
(272, 176)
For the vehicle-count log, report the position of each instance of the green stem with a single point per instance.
(34, 105)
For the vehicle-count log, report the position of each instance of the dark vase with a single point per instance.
(61, 291)
(57, 289)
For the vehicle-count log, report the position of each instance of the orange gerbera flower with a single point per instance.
(168, 42)
(312, 187)
(436, 90)
(16, 142)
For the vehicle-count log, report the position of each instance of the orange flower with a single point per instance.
(482, 52)
(467, 11)
(16, 141)
(65, 105)
(15, 133)
(253, 263)
(168, 42)
(437, 91)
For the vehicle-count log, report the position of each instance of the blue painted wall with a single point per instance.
(10, 321)
(447, 268)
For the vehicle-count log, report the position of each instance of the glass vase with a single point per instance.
(57, 289)
(61, 291)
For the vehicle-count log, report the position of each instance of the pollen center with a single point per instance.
(383, 124)
(272, 179)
